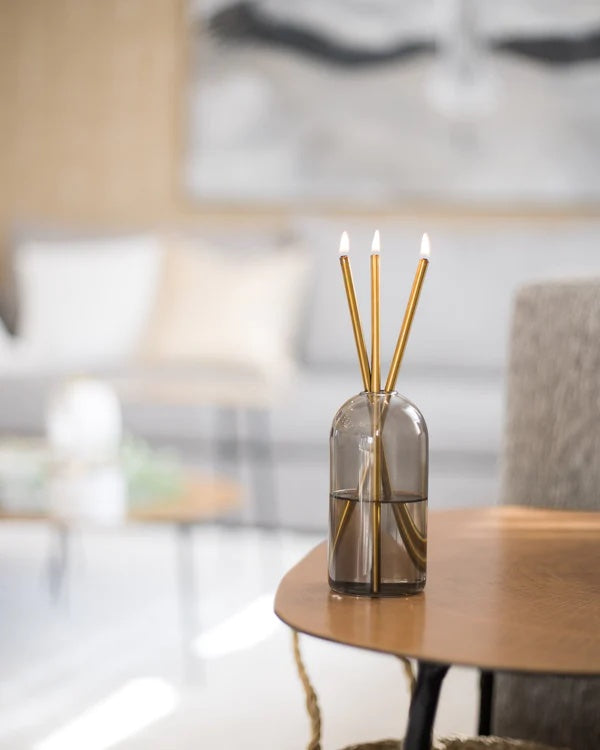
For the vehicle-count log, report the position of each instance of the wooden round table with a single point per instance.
(508, 589)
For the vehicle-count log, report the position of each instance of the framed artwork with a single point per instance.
(369, 103)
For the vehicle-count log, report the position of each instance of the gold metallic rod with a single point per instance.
(375, 323)
(409, 314)
(414, 541)
(361, 350)
(376, 499)
(376, 423)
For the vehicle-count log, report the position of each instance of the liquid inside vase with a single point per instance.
(402, 554)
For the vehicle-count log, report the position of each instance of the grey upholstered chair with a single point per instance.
(552, 459)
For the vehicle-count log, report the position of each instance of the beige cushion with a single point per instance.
(193, 385)
(228, 310)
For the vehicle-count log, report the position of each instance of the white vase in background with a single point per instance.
(83, 421)
(84, 429)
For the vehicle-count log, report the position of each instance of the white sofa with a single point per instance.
(453, 369)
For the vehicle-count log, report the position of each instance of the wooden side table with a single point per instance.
(201, 499)
(509, 589)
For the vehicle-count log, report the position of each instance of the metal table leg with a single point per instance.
(486, 695)
(186, 575)
(260, 451)
(226, 441)
(58, 561)
(423, 705)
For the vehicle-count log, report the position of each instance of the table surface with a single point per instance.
(200, 499)
(508, 588)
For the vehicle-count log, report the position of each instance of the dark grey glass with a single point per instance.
(378, 497)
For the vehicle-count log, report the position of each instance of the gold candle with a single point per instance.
(409, 314)
(361, 349)
(375, 325)
(376, 422)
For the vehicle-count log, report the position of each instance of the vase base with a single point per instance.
(386, 589)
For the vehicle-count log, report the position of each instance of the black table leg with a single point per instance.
(423, 705)
(486, 694)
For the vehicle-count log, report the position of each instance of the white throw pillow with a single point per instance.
(85, 303)
(225, 309)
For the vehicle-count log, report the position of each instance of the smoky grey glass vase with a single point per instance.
(379, 461)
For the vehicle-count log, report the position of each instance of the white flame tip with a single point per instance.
(344, 244)
(376, 244)
(425, 246)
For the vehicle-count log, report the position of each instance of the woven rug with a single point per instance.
(459, 743)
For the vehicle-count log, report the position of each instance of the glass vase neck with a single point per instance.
(379, 393)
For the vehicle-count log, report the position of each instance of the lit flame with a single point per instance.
(344, 244)
(376, 244)
(425, 246)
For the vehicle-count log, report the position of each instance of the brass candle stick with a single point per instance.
(409, 314)
(414, 541)
(375, 309)
(361, 350)
(376, 424)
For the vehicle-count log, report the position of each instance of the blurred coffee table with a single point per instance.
(200, 499)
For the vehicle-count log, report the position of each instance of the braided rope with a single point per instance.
(409, 673)
(312, 703)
